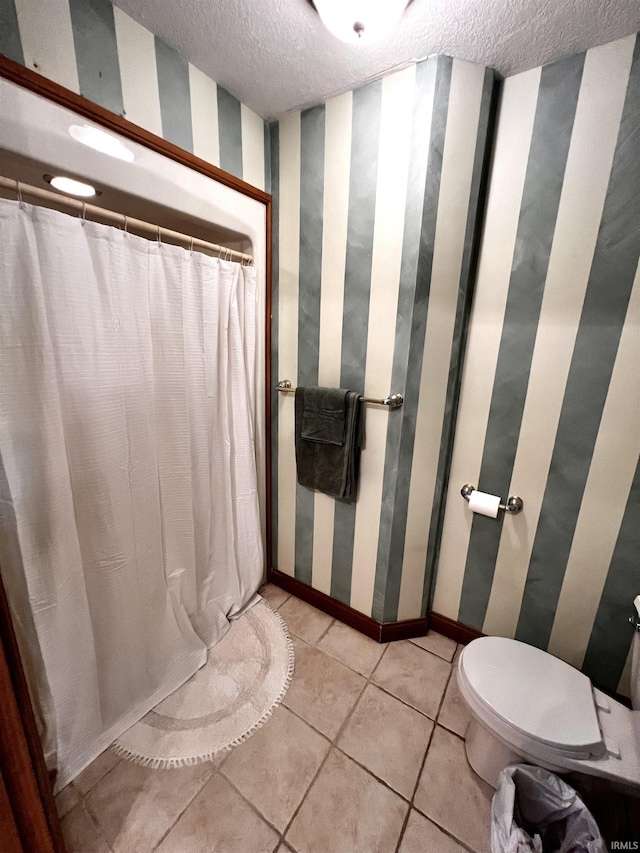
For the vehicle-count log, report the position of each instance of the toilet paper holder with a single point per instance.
(513, 505)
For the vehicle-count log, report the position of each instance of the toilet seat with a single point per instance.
(534, 702)
(508, 685)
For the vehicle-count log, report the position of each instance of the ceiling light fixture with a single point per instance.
(360, 21)
(71, 186)
(101, 141)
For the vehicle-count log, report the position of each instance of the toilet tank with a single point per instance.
(635, 660)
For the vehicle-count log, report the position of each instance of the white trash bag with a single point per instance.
(534, 810)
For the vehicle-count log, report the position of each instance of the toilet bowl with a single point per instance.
(530, 707)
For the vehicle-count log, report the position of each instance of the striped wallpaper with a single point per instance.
(376, 196)
(375, 205)
(92, 47)
(550, 398)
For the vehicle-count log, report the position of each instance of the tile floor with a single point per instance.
(365, 755)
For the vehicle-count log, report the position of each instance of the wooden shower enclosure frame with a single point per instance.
(28, 817)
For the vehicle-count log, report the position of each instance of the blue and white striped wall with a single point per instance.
(550, 400)
(375, 202)
(92, 47)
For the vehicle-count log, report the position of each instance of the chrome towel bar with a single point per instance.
(393, 401)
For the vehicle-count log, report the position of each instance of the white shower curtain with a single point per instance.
(129, 519)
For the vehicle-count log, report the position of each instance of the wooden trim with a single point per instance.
(8, 829)
(404, 630)
(365, 624)
(22, 765)
(452, 629)
(381, 632)
(28, 79)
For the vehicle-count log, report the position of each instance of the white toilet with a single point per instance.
(531, 707)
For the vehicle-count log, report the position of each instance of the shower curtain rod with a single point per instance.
(121, 219)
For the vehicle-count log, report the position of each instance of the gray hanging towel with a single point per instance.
(328, 439)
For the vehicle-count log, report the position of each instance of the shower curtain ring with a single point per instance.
(84, 212)
(125, 223)
(159, 236)
(191, 245)
(19, 192)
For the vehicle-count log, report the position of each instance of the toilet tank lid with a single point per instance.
(536, 693)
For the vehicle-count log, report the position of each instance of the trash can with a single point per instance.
(534, 810)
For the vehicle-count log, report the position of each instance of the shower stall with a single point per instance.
(132, 427)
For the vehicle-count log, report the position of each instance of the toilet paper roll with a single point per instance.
(484, 503)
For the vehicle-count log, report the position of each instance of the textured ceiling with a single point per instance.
(275, 55)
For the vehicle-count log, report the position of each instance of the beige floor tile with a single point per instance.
(81, 835)
(66, 799)
(388, 738)
(219, 820)
(413, 675)
(276, 766)
(323, 691)
(303, 620)
(454, 714)
(451, 794)
(352, 648)
(105, 762)
(436, 643)
(347, 811)
(135, 806)
(274, 595)
(423, 836)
